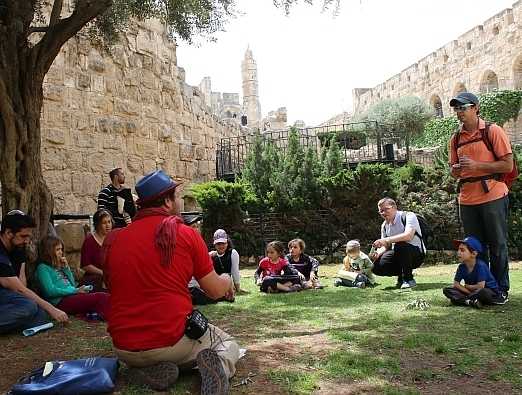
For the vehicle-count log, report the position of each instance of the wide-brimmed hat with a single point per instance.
(464, 98)
(153, 186)
(220, 236)
(471, 242)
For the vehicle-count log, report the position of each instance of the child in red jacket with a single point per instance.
(274, 274)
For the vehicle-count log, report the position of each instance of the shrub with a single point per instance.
(500, 106)
(437, 132)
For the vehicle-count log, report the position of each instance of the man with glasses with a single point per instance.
(478, 154)
(20, 308)
(400, 248)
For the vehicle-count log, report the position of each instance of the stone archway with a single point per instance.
(436, 105)
(488, 82)
(459, 88)
(517, 72)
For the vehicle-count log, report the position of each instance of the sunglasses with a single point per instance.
(462, 107)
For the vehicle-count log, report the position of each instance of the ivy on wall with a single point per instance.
(500, 106)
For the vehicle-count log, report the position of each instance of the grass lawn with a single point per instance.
(335, 341)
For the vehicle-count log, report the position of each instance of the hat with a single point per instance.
(153, 185)
(353, 244)
(220, 236)
(464, 98)
(472, 242)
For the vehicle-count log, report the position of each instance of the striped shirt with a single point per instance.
(107, 199)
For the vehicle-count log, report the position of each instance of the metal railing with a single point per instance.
(360, 142)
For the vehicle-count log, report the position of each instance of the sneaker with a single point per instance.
(360, 284)
(412, 283)
(159, 377)
(406, 285)
(501, 298)
(213, 378)
(476, 304)
(338, 282)
(295, 288)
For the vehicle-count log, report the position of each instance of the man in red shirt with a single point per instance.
(479, 154)
(148, 266)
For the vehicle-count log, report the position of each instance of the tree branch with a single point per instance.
(56, 12)
(44, 53)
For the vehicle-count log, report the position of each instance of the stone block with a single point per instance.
(165, 133)
(135, 164)
(72, 234)
(200, 153)
(125, 107)
(84, 139)
(55, 136)
(53, 159)
(84, 81)
(146, 149)
(186, 152)
(53, 92)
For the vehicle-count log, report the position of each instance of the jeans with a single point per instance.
(485, 295)
(488, 223)
(400, 262)
(18, 312)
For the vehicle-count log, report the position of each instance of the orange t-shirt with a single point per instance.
(472, 193)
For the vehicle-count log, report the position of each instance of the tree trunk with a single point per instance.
(23, 185)
(23, 65)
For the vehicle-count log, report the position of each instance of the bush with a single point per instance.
(500, 106)
(437, 132)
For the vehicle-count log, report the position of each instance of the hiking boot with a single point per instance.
(213, 378)
(360, 284)
(159, 377)
(501, 298)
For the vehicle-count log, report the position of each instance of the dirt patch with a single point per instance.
(438, 376)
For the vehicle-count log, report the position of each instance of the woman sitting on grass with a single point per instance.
(306, 265)
(274, 274)
(91, 254)
(58, 286)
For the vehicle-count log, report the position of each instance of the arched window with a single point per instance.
(517, 73)
(459, 88)
(488, 82)
(436, 104)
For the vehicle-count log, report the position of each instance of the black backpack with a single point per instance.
(426, 231)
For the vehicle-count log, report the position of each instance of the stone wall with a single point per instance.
(488, 56)
(125, 107)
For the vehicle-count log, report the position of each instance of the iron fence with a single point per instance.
(360, 142)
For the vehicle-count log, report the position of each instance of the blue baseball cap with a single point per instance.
(471, 242)
(464, 98)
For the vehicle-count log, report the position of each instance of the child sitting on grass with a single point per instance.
(480, 287)
(356, 270)
(307, 266)
(274, 274)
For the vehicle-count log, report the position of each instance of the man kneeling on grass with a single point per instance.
(148, 266)
(480, 287)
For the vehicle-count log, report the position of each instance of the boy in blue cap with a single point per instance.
(480, 287)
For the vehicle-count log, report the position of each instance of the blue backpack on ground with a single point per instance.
(77, 377)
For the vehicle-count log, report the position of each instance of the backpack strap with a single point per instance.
(403, 220)
(484, 137)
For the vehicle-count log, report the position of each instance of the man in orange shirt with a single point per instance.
(483, 197)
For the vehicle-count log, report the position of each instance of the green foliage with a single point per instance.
(408, 114)
(350, 139)
(500, 106)
(223, 202)
(332, 160)
(437, 132)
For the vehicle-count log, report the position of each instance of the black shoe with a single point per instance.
(213, 378)
(159, 377)
(501, 298)
(476, 304)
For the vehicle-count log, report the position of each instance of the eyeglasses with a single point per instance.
(462, 107)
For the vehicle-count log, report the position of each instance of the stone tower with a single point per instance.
(251, 106)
